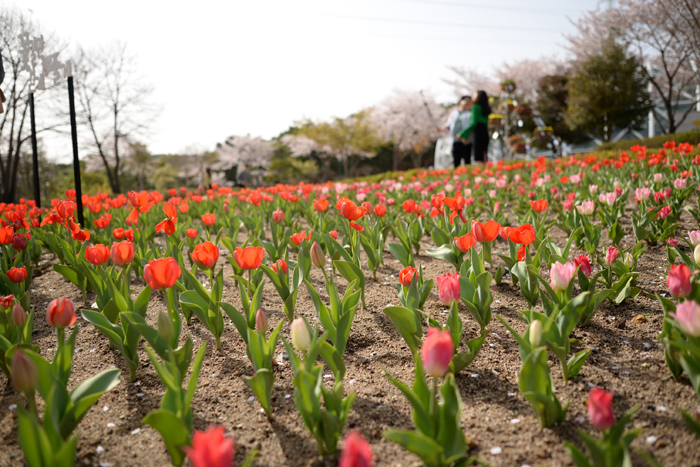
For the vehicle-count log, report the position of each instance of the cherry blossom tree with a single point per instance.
(243, 150)
(411, 122)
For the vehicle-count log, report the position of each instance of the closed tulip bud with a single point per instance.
(357, 451)
(688, 316)
(19, 243)
(611, 255)
(600, 411)
(437, 352)
(211, 448)
(19, 316)
(449, 288)
(679, 281)
(318, 258)
(260, 321)
(166, 329)
(60, 313)
(301, 336)
(25, 376)
(535, 333)
(334, 234)
(694, 237)
(278, 216)
(629, 260)
(585, 265)
(561, 275)
(696, 254)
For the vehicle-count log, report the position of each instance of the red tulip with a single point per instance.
(523, 235)
(406, 275)
(210, 448)
(17, 275)
(278, 216)
(351, 212)
(449, 288)
(205, 255)
(318, 258)
(6, 301)
(19, 243)
(600, 411)
(282, 264)
(485, 232)
(436, 352)
(118, 233)
(334, 234)
(162, 273)
(249, 258)
(122, 253)
(19, 316)
(584, 263)
(7, 234)
(65, 209)
(456, 204)
(97, 255)
(679, 281)
(380, 210)
(356, 452)
(191, 233)
(60, 313)
(539, 205)
(321, 204)
(299, 237)
(208, 219)
(611, 255)
(465, 242)
(168, 224)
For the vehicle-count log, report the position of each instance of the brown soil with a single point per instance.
(626, 359)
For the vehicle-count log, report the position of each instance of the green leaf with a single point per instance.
(444, 253)
(194, 376)
(404, 320)
(576, 362)
(352, 272)
(426, 448)
(238, 319)
(142, 301)
(261, 385)
(174, 432)
(33, 440)
(401, 253)
(84, 396)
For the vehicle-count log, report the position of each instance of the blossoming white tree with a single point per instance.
(243, 150)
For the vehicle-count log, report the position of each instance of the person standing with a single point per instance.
(458, 120)
(478, 128)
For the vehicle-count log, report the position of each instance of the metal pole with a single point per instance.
(76, 161)
(35, 154)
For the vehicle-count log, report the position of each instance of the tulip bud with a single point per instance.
(318, 258)
(611, 255)
(261, 321)
(437, 352)
(25, 376)
(301, 337)
(629, 260)
(696, 253)
(166, 329)
(535, 333)
(679, 281)
(600, 411)
(449, 287)
(60, 313)
(19, 317)
(278, 216)
(688, 316)
(19, 243)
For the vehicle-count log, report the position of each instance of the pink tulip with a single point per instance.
(357, 451)
(437, 352)
(658, 178)
(261, 324)
(561, 275)
(610, 198)
(679, 281)
(688, 316)
(680, 183)
(665, 212)
(642, 194)
(586, 208)
(611, 256)
(449, 288)
(694, 236)
(600, 411)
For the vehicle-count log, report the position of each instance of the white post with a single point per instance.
(650, 88)
(694, 66)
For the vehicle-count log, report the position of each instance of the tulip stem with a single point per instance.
(250, 282)
(433, 404)
(60, 338)
(31, 401)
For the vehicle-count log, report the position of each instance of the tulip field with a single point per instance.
(525, 313)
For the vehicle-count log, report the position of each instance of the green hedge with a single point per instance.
(692, 137)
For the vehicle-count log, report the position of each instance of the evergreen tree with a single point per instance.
(607, 92)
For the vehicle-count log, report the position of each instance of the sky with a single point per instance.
(256, 67)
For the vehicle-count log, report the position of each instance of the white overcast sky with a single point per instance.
(232, 67)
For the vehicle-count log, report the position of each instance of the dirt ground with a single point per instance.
(626, 359)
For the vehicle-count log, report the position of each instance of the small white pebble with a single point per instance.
(475, 375)
(137, 383)
(262, 410)
(491, 345)
(496, 451)
(111, 425)
(626, 372)
(100, 450)
(93, 350)
(352, 381)
(106, 464)
(580, 419)
(251, 398)
(625, 342)
(136, 431)
(105, 408)
(215, 375)
(12, 407)
(287, 396)
(327, 376)
(140, 394)
(515, 420)
(94, 305)
(646, 345)
(616, 368)
(652, 439)
(495, 372)
(591, 385)
(511, 394)
(661, 408)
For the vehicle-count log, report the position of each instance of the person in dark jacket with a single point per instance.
(478, 128)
